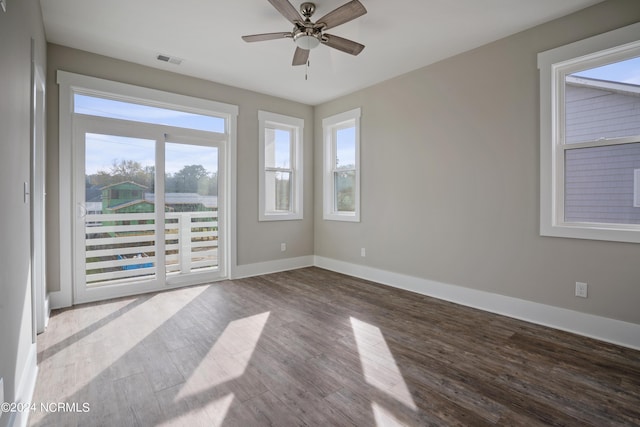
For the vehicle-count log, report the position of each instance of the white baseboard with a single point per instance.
(601, 328)
(26, 388)
(248, 270)
(42, 319)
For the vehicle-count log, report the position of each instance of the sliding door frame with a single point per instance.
(71, 84)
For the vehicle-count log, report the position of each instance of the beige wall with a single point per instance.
(257, 241)
(18, 26)
(450, 178)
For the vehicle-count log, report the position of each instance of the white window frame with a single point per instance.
(554, 66)
(330, 126)
(296, 127)
(636, 188)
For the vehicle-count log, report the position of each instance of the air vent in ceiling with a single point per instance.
(169, 59)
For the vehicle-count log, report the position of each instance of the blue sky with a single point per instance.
(142, 113)
(624, 71)
(103, 150)
(345, 146)
(282, 153)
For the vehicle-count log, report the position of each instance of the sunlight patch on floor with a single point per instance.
(229, 357)
(114, 355)
(378, 364)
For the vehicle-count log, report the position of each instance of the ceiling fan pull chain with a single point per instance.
(306, 71)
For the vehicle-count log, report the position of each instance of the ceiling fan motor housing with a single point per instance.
(307, 9)
(306, 35)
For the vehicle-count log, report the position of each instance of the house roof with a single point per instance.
(128, 204)
(124, 182)
(184, 198)
(611, 86)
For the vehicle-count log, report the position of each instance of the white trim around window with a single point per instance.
(341, 170)
(555, 67)
(636, 188)
(281, 172)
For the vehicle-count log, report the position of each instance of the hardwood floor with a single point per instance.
(312, 347)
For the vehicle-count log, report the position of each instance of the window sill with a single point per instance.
(350, 217)
(606, 232)
(281, 217)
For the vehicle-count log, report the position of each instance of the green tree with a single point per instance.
(191, 179)
(124, 170)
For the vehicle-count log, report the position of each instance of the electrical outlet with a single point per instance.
(581, 289)
(283, 247)
(363, 252)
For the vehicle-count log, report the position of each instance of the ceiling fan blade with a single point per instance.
(287, 10)
(300, 56)
(266, 36)
(344, 45)
(341, 15)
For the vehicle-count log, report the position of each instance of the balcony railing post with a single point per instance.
(184, 238)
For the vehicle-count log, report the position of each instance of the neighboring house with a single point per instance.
(130, 197)
(118, 198)
(185, 202)
(94, 208)
(601, 182)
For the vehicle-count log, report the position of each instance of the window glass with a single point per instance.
(599, 184)
(277, 148)
(279, 191)
(102, 107)
(346, 148)
(345, 184)
(603, 102)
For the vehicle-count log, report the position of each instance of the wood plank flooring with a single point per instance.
(312, 347)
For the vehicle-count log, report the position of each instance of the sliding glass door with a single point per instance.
(191, 217)
(148, 207)
(119, 213)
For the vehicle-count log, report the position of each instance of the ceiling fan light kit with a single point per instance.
(306, 41)
(308, 35)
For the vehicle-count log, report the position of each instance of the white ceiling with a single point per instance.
(400, 36)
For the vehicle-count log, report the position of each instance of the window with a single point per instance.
(104, 107)
(281, 179)
(341, 180)
(590, 138)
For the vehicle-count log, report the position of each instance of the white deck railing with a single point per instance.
(123, 246)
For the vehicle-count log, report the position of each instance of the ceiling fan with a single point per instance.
(308, 35)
